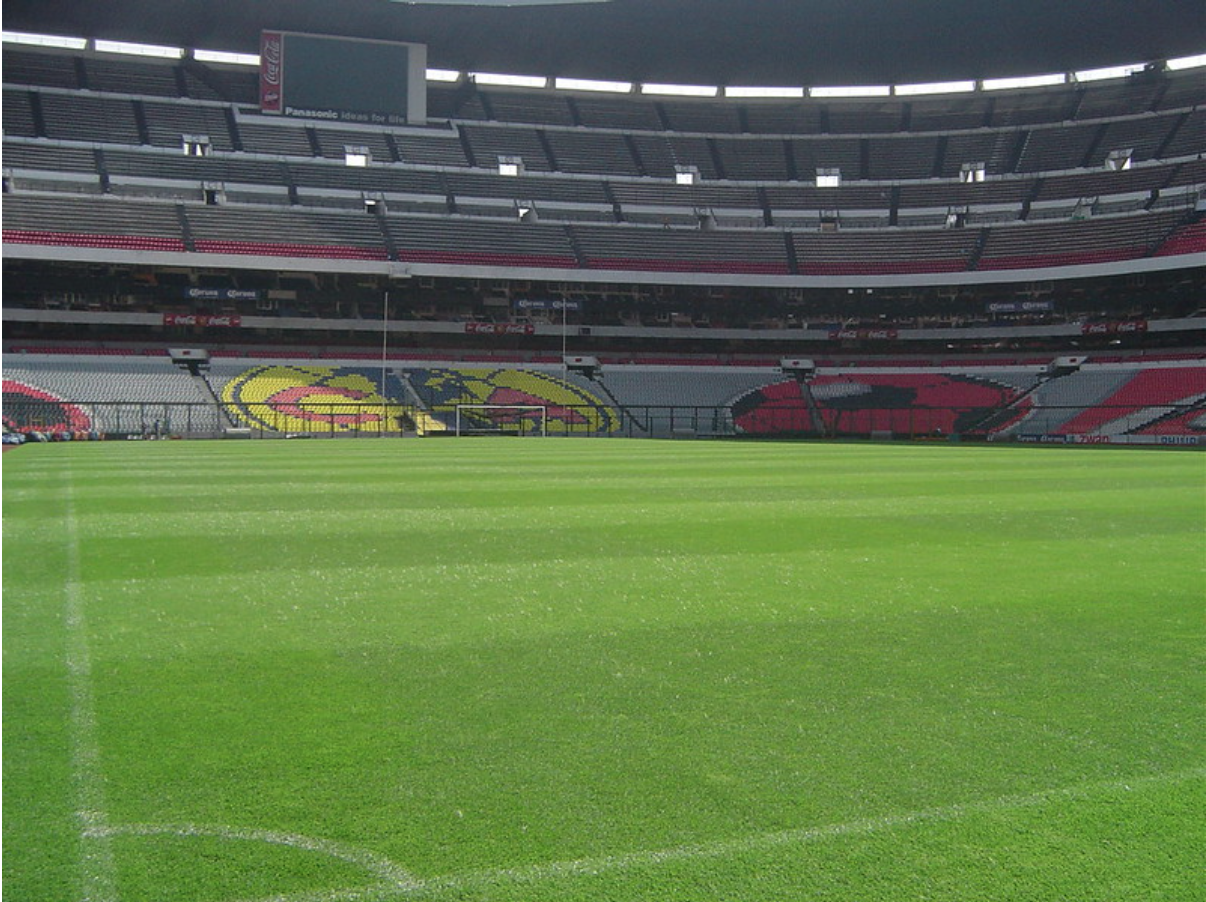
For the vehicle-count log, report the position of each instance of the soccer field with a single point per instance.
(620, 670)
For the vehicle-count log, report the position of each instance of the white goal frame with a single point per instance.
(470, 430)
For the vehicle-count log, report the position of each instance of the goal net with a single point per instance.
(501, 419)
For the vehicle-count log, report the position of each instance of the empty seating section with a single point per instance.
(992, 149)
(435, 150)
(19, 155)
(902, 158)
(753, 160)
(1143, 137)
(276, 137)
(18, 114)
(287, 233)
(645, 387)
(1142, 403)
(334, 143)
(1117, 99)
(771, 117)
(115, 395)
(1052, 149)
(120, 393)
(387, 178)
(168, 123)
(525, 188)
(873, 252)
(700, 116)
(592, 152)
(859, 117)
(92, 222)
(826, 153)
(40, 69)
(471, 242)
(909, 403)
(233, 85)
(79, 124)
(1095, 184)
(537, 107)
(1189, 239)
(947, 114)
(491, 142)
(1074, 243)
(682, 250)
(95, 119)
(665, 194)
(1031, 107)
(227, 169)
(1189, 138)
(130, 77)
(617, 113)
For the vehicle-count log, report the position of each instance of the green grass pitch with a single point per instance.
(525, 671)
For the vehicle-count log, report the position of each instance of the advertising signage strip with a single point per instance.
(272, 58)
(201, 319)
(337, 79)
(223, 294)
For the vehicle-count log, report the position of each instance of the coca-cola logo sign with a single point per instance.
(272, 53)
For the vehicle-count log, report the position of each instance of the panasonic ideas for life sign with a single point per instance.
(342, 79)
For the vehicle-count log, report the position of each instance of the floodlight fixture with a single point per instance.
(226, 57)
(1186, 62)
(131, 49)
(1024, 81)
(1085, 75)
(591, 84)
(44, 40)
(852, 91)
(680, 90)
(510, 81)
(753, 91)
(935, 87)
(443, 75)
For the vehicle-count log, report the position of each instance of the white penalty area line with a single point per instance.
(97, 871)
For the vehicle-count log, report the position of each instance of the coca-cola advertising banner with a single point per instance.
(272, 57)
(863, 334)
(500, 329)
(201, 319)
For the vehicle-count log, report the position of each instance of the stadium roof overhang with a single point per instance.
(719, 42)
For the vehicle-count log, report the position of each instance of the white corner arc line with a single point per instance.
(97, 869)
(537, 873)
(388, 873)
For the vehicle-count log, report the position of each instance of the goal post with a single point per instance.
(501, 419)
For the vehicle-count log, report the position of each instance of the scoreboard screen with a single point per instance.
(342, 79)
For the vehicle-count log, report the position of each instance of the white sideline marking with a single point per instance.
(389, 874)
(98, 873)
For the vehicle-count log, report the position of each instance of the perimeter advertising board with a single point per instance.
(342, 79)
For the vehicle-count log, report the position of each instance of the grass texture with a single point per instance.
(556, 669)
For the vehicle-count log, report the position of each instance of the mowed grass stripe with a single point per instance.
(772, 638)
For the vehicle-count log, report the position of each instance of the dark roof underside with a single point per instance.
(743, 42)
